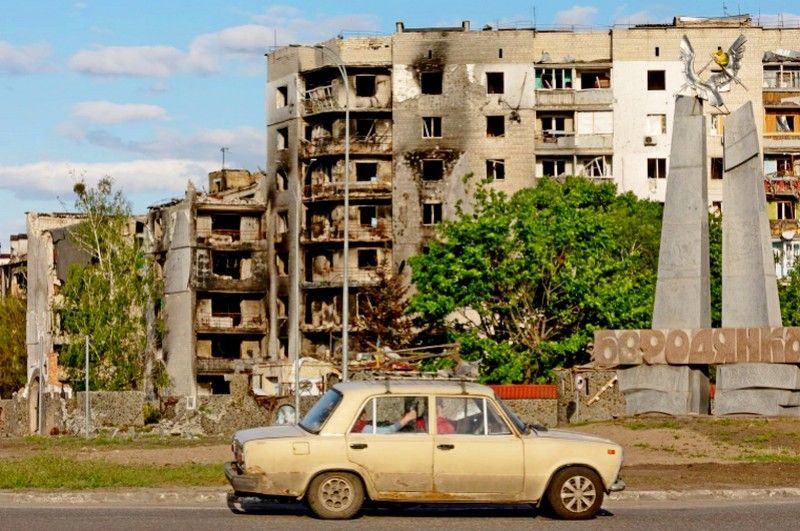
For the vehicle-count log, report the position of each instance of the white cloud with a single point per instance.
(246, 144)
(639, 17)
(147, 61)
(23, 59)
(58, 177)
(106, 112)
(576, 16)
(295, 25)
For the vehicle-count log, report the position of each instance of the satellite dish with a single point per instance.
(787, 235)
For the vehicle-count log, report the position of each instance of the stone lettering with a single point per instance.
(677, 349)
(652, 345)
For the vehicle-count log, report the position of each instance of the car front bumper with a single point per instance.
(241, 482)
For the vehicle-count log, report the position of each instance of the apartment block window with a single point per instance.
(430, 82)
(496, 169)
(785, 210)
(365, 85)
(431, 127)
(656, 168)
(368, 216)
(553, 78)
(595, 80)
(431, 213)
(656, 80)
(716, 168)
(494, 83)
(364, 128)
(432, 169)
(366, 171)
(495, 126)
(784, 123)
(283, 138)
(552, 125)
(554, 167)
(367, 258)
(281, 97)
(656, 124)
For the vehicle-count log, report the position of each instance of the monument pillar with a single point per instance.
(683, 294)
(749, 283)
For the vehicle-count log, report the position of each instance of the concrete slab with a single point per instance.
(672, 390)
(768, 402)
(758, 375)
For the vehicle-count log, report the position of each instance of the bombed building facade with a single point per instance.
(430, 106)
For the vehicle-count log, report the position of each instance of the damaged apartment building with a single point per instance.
(429, 106)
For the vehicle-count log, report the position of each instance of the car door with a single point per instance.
(397, 456)
(475, 451)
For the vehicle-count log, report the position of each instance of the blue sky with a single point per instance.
(148, 92)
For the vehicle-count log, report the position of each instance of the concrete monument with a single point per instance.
(757, 357)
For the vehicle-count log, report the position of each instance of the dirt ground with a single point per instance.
(660, 453)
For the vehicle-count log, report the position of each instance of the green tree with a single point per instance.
(789, 294)
(13, 357)
(107, 299)
(523, 282)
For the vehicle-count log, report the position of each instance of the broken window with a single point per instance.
(213, 385)
(432, 169)
(431, 213)
(494, 83)
(495, 126)
(365, 85)
(226, 224)
(553, 78)
(656, 168)
(367, 258)
(308, 132)
(431, 127)
(430, 82)
(656, 124)
(281, 97)
(368, 216)
(597, 167)
(595, 79)
(553, 126)
(282, 223)
(495, 169)
(784, 123)
(366, 171)
(785, 210)
(392, 414)
(554, 167)
(229, 264)
(716, 168)
(656, 80)
(364, 128)
(283, 138)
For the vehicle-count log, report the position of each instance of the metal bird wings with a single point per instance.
(718, 82)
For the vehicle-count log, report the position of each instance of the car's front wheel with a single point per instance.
(336, 495)
(576, 493)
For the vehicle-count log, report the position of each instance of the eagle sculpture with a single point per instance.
(710, 89)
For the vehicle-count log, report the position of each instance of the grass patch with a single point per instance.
(769, 458)
(761, 437)
(51, 472)
(140, 440)
(667, 424)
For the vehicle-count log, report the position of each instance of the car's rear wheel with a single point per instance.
(576, 493)
(336, 495)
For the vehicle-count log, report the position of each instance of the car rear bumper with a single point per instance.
(244, 483)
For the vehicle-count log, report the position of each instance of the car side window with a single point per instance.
(393, 414)
(468, 416)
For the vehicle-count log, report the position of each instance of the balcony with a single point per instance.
(568, 98)
(230, 323)
(367, 144)
(782, 183)
(222, 365)
(555, 141)
(361, 189)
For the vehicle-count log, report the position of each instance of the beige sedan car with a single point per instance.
(422, 441)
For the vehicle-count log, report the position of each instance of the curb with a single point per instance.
(215, 497)
(706, 494)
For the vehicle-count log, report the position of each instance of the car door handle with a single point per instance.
(358, 446)
(445, 446)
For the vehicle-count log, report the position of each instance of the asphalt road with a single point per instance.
(667, 515)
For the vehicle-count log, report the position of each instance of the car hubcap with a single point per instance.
(337, 494)
(578, 494)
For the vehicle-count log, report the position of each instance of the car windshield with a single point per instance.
(521, 426)
(320, 412)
